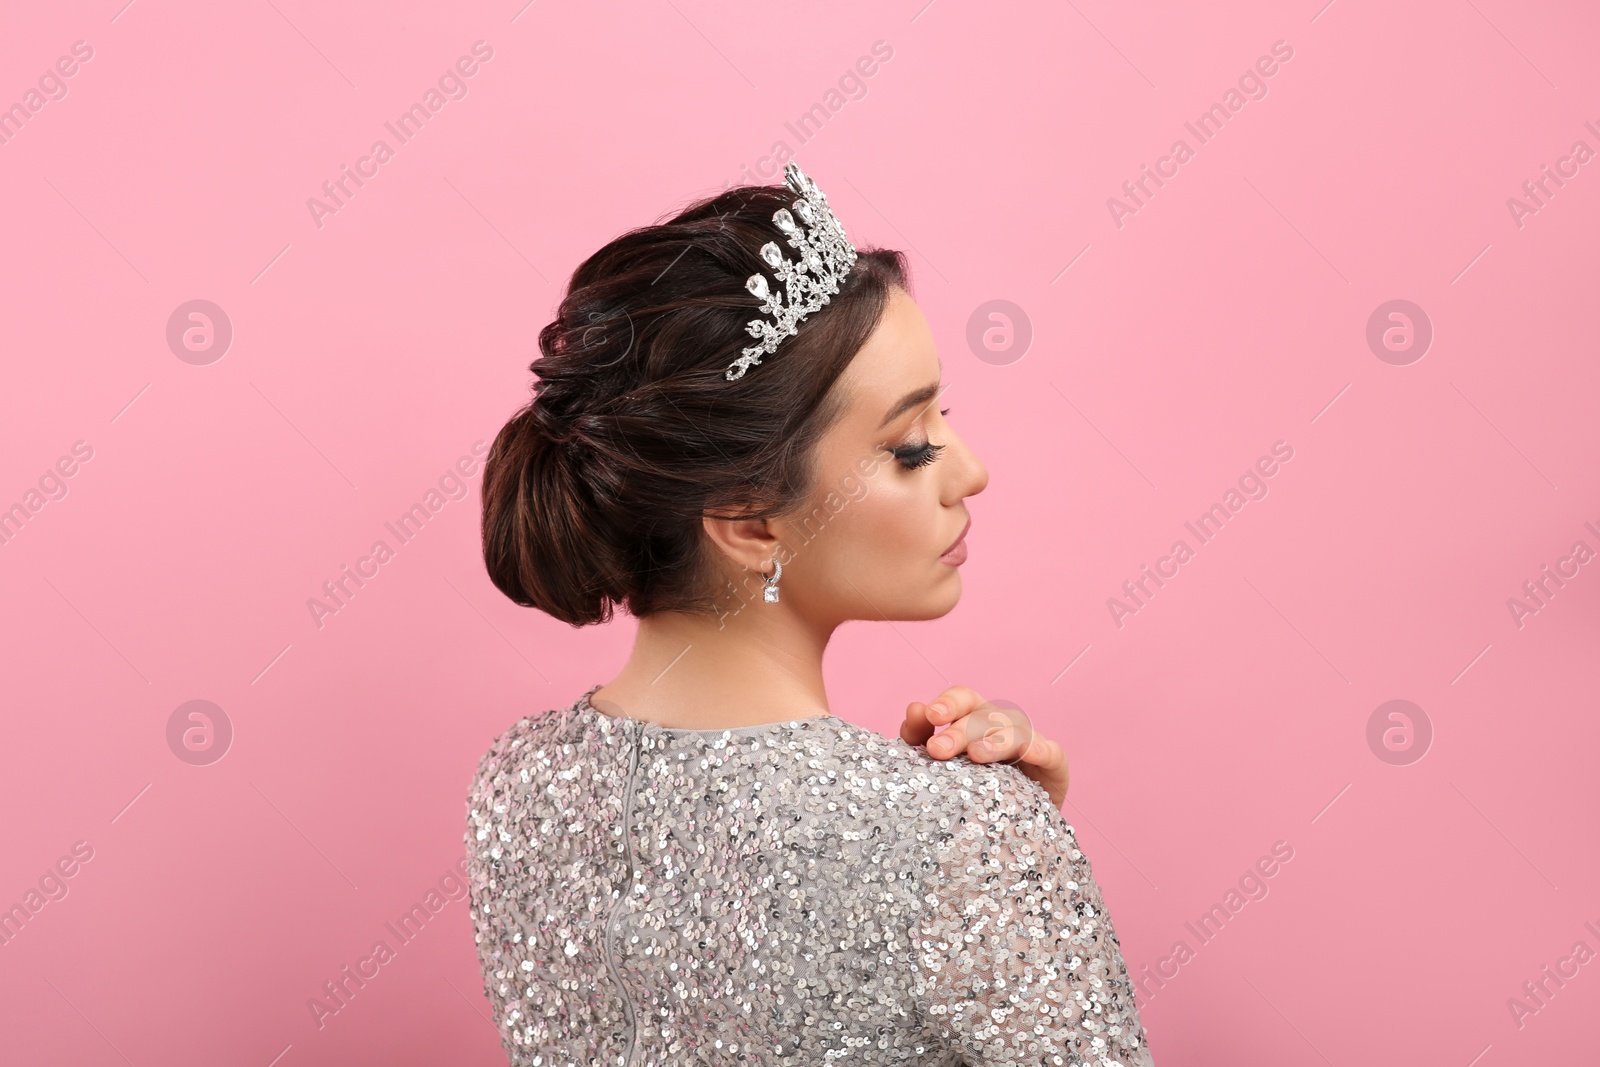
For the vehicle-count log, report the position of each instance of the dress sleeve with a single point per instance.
(1015, 956)
(486, 839)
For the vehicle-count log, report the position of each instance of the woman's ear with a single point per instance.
(747, 542)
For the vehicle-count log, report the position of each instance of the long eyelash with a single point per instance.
(916, 456)
(912, 457)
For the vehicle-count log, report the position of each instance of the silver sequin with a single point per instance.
(805, 891)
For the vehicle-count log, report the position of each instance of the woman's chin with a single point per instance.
(952, 591)
(941, 599)
(936, 598)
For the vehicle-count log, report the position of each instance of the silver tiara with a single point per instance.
(826, 256)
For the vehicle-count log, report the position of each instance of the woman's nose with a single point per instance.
(974, 475)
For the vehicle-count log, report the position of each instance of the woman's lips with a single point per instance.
(956, 554)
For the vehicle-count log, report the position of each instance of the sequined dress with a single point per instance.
(804, 892)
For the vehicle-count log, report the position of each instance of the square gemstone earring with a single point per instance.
(770, 592)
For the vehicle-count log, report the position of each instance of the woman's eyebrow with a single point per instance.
(909, 401)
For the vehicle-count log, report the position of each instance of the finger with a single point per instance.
(1001, 743)
(953, 703)
(917, 728)
(1047, 765)
(995, 732)
(986, 736)
(1047, 755)
(1000, 735)
(948, 743)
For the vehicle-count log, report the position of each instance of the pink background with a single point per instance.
(1169, 352)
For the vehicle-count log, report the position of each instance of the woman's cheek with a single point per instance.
(902, 525)
(862, 540)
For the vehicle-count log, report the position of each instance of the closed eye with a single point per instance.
(914, 456)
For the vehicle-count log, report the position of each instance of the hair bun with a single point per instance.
(555, 426)
(595, 494)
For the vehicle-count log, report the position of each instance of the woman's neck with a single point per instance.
(709, 672)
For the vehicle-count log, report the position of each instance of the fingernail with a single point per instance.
(939, 744)
(938, 709)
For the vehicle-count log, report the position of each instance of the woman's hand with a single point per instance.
(959, 720)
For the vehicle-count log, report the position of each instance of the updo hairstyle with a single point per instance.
(593, 492)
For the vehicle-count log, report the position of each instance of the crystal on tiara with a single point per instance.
(825, 256)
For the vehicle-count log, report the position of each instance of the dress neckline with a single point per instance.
(583, 705)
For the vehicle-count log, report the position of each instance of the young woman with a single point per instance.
(696, 862)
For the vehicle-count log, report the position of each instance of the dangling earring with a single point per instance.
(770, 593)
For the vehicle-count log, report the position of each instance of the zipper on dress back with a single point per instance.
(633, 729)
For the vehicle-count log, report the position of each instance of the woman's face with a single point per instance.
(893, 478)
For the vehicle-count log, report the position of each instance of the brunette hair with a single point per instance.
(593, 492)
